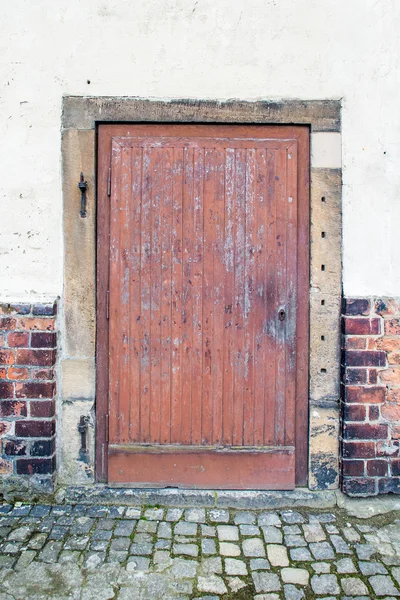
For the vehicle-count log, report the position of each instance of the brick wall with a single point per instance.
(371, 396)
(28, 344)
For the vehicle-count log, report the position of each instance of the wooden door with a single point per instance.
(204, 284)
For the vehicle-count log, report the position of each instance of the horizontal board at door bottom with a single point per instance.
(205, 470)
(182, 449)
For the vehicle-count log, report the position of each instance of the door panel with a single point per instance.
(203, 311)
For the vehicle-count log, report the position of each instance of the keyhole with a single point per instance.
(282, 315)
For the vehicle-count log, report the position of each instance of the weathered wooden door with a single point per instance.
(202, 278)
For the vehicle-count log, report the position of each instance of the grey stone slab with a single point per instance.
(50, 552)
(383, 586)
(122, 543)
(162, 544)
(146, 526)
(195, 515)
(291, 530)
(266, 519)
(124, 527)
(259, 564)
(154, 514)
(272, 535)
(164, 530)
(186, 549)
(211, 565)
(228, 533)
(185, 528)
(346, 565)
(300, 554)
(143, 549)
(292, 592)
(321, 567)
(353, 586)
(249, 530)
(245, 517)
(218, 515)
(340, 545)
(234, 566)
(208, 531)
(322, 551)
(313, 532)
(208, 546)
(101, 535)
(138, 563)
(266, 582)
(371, 568)
(212, 583)
(365, 551)
(292, 517)
(295, 541)
(253, 547)
(183, 568)
(325, 584)
(174, 514)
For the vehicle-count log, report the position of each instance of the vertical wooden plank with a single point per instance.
(187, 298)
(251, 312)
(145, 321)
(197, 292)
(217, 374)
(134, 295)
(166, 298)
(238, 314)
(270, 305)
(260, 292)
(291, 290)
(208, 296)
(123, 331)
(176, 336)
(281, 296)
(115, 293)
(229, 312)
(155, 292)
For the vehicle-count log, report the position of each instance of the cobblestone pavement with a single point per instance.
(102, 553)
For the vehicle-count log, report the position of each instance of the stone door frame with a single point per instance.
(80, 117)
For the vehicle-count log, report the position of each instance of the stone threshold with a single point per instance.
(249, 499)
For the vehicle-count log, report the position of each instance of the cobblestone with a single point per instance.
(123, 553)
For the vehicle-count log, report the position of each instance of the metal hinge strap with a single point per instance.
(107, 304)
(109, 182)
(107, 426)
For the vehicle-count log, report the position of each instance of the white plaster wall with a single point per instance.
(248, 49)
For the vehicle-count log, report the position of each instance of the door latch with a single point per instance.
(82, 185)
(282, 315)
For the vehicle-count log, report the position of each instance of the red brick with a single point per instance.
(361, 326)
(354, 412)
(372, 376)
(377, 468)
(44, 309)
(31, 389)
(363, 431)
(2, 340)
(15, 309)
(43, 448)
(3, 373)
(366, 395)
(356, 306)
(8, 323)
(392, 326)
(13, 408)
(389, 448)
(6, 390)
(42, 374)
(17, 373)
(387, 306)
(356, 486)
(359, 450)
(15, 448)
(7, 357)
(395, 432)
(31, 466)
(353, 468)
(354, 376)
(42, 408)
(34, 323)
(374, 413)
(6, 466)
(355, 343)
(43, 340)
(391, 412)
(34, 428)
(18, 339)
(395, 467)
(5, 428)
(365, 358)
(390, 376)
(394, 358)
(43, 358)
(387, 343)
(390, 485)
(393, 395)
